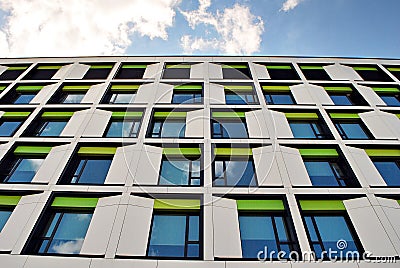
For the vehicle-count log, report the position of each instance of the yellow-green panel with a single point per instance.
(57, 115)
(32, 150)
(304, 116)
(9, 200)
(134, 66)
(394, 69)
(29, 88)
(234, 66)
(17, 68)
(279, 67)
(319, 152)
(49, 67)
(177, 204)
(260, 205)
(126, 115)
(182, 151)
(101, 66)
(386, 89)
(365, 68)
(77, 88)
(344, 116)
(239, 88)
(170, 115)
(276, 88)
(75, 202)
(233, 151)
(306, 67)
(95, 151)
(339, 89)
(15, 115)
(318, 205)
(178, 66)
(383, 152)
(128, 88)
(228, 114)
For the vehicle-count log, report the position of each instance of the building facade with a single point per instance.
(218, 162)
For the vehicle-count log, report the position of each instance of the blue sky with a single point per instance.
(348, 28)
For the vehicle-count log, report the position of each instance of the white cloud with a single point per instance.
(68, 247)
(290, 4)
(238, 30)
(76, 27)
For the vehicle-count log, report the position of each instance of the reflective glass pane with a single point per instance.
(4, 215)
(280, 99)
(235, 99)
(173, 129)
(74, 98)
(121, 129)
(70, 233)
(234, 129)
(184, 98)
(168, 236)
(175, 172)
(53, 128)
(302, 130)
(280, 228)
(8, 128)
(341, 100)
(311, 229)
(123, 98)
(240, 173)
(321, 173)
(389, 171)
(193, 228)
(354, 131)
(391, 100)
(196, 169)
(25, 170)
(193, 250)
(24, 98)
(95, 171)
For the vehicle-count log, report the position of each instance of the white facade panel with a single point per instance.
(341, 72)
(62, 72)
(97, 124)
(197, 71)
(217, 94)
(195, 124)
(76, 124)
(164, 93)
(148, 168)
(261, 71)
(77, 71)
(382, 125)
(295, 167)
(267, 166)
(94, 93)
(152, 71)
(214, 71)
(370, 96)
(257, 126)
(44, 94)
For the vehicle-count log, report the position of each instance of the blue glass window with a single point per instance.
(391, 100)
(5, 213)
(230, 129)
(308, 130)
(390, 171)
(180, 172)
(234, 173)
(50, 128)
(186, 97)
(352, 130)
(73, 98)
(175, 236)
(65, 233)
(23, 170)
(91, 171)
(169, 129)
(325, 173)
(127, 128)
(323, 237)
(8, 128)
(24, 98)
(122, 98)
(341, 100)
(235, 98)
(279, 98)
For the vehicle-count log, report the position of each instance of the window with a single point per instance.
(326, 168)
(8, 127)
(98, 71)
(7, 204)
(278, 94)
(390, 95)
(240, 94)
(181, 166)
(50, 124)
(236, 71)
(345, 95)
(13, 72)
(22, 94)
(233, 167)
(387, 162)
(320, 233)
(168, 125)
(63, 227)
(124, 124)
(265, 223)
(350, 127)
(282, 71)
(22, 165)
(121, 94)
(5, 213)
(176, 71)
(70, 94)
(229, 125)
(307, 126)
(314, 72)
(175, 234)
(395, 70)
(131, 71)
(371, 73)
(89, 166)
(188, 94)
(42, 72)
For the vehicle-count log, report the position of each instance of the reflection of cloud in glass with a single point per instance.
(74, 98)
(68, 247)
(83, 217)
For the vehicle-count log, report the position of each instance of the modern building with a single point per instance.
(169, 162)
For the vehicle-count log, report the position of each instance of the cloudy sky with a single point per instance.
(358, 28)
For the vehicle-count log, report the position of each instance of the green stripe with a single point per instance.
(383, 152)
(339, 89)
(182, 151)
(177, 204)
(301, 115)
(276, 88)
(322, 205)
(80, 88)
(233, 151)
(74, 202)
(57, 115)
(101, 66)
(311, 67)
(279, 67)
(32, 150)
(318, 152)
(49, 67)
(386, 89)
(125, 88)
(344, 116)
(29, 88)
(15, 115)
(126, 115)
(394, 69)
(239, 88)
(365, 69)
(9, 200)
(234, 66)
(228, 114)
(189, 88)
(2, 87)
(398, 115)
(178, 66)
(97, 151)
(134, 66)
(170, 115)
(17, 68)
(260, 205)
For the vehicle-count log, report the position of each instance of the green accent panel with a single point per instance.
(125, 88)
(398, 115)
(170, 115)
(17, 68)
(32, 150)
(322, 205)
(239, 88)
(97, 151)
(75, 202)
(81, 88)
(49, 67)
(301, 115)
(279, 67)
(182, 151)
(57, 115)
(276, 88)
(196, 88)
(344, 116)
(311, 67)
(101, 66)
(9, 200)
(394, 69)
(126, 115)
(365, 69)
(234, 66)
(29, 88)
(228, 114)
(233, 151)
(178, 66)
(260, 205)
(339, 89)
(386, 89)
(134, 66)
(2, 87)
(15, 115)
(383, 152)
(398, 201)
(318, 152)
(177, 204)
